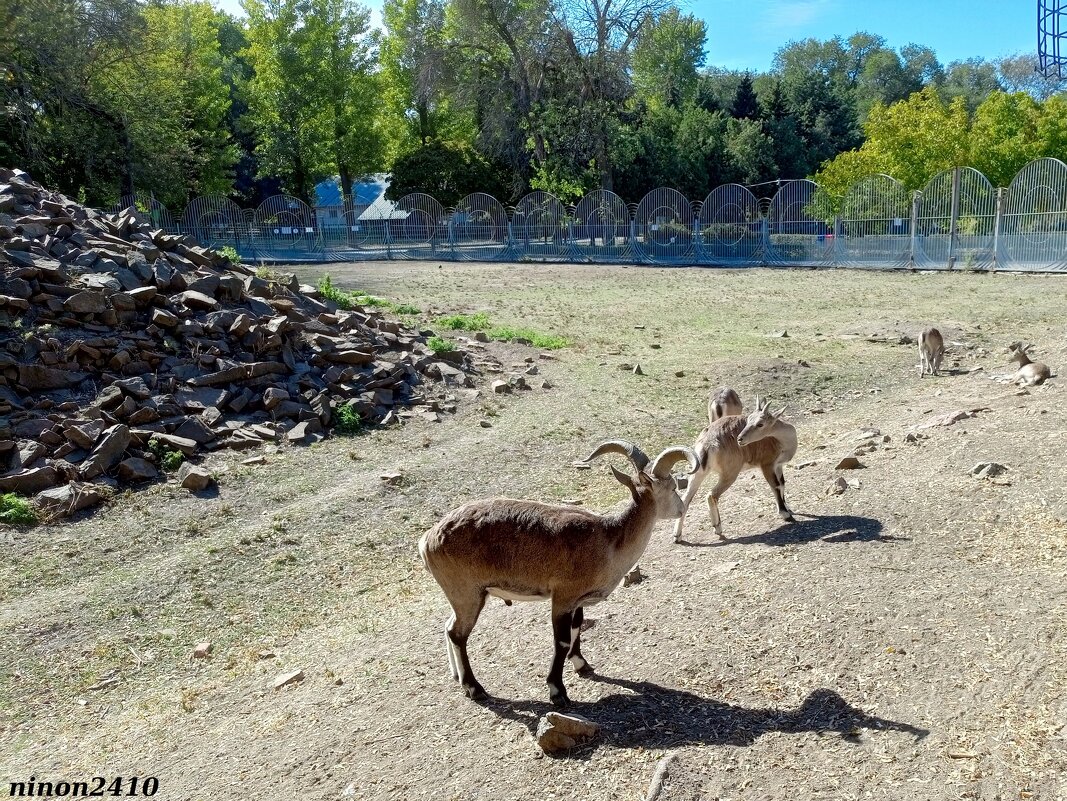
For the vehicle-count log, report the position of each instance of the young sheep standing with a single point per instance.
(1030, 373)
(931, 351)
(529, 551)
(723, 403)
(733, 444)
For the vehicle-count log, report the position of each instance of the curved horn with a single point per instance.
(627, 449)
(661, 468)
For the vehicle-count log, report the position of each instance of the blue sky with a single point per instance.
(744, 34)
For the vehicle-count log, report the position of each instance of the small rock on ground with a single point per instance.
(559, 732)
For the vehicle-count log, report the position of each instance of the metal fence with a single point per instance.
(957, 221)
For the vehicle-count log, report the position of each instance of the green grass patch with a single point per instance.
(479, 321)
(438, 345)
(347, 299)
(16, 511)
(538, 340)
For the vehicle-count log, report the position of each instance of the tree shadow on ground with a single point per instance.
(827, 528)
(651, 716)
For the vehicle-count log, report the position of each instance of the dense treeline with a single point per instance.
(104, 97)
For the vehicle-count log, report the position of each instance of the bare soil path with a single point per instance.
(906, 639)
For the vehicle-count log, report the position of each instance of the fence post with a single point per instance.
(389, 235)
(452, 234)
(913, 244)
(837, 239)
(997, 220)
(765, 239)
(953, 226)
(633, 240)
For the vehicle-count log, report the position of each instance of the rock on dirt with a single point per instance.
(849, 463)
(837, 486)
(559, 732)
(988, 470)
(635, 576)
(194, 478)
(285, 679)
(202, 651)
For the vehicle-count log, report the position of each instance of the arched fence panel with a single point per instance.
(216, 221)
(1033, 230)
(663, 228)
(601, 230)
(419, 229)
(875, 227)
(284, 227)
(541, 228)
(958, 221)
(730, 227)
(147, 208)
(955, 221)
(800, 228)
(479, 228)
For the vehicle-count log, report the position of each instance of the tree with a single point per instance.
(1019, 73)
(109, 97)
(745, 105)
(972, 80)
(667, 57)
(1005, 135)
(912, 141)
(313, 93)
(448, 171)
(416, 72)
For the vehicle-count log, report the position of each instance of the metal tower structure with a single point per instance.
(1052, 37)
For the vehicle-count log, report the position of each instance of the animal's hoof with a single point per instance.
(585, 670)
(561, 700)
(475, 692)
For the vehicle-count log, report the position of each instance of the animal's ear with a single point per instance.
(625, 480)
(778, 414)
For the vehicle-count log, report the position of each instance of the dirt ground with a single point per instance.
(906, 639)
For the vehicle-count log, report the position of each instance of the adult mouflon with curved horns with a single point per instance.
(530, 551)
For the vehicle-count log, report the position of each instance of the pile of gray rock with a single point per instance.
(124, 349)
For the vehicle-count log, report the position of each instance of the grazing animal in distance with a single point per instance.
(1030, 373)
(733, 444)
(724, 402)
(530, 551)
(931, 351)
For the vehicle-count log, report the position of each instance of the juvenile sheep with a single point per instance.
(1030, 373)
(733, 444)
(723, 403)
(931, 351)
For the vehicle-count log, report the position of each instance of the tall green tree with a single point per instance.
(668, 54)
(313, 94)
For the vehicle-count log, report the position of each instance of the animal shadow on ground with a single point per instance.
(827, 528)
(651, 716)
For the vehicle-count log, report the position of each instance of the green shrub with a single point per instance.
(438, 345)
(346, 421)
(169, 460)
(16, 511)
(330, 292)
(229, 252)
